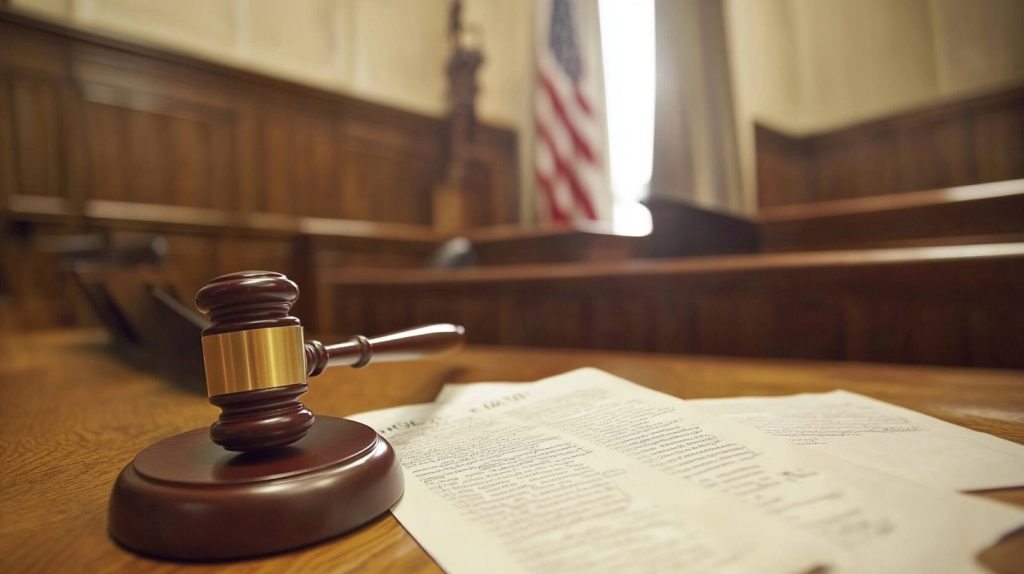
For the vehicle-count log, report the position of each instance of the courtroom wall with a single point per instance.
(389, 51)
(809, 66)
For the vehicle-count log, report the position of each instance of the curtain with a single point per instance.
(696, 159)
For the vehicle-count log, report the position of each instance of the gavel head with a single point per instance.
(255, 361)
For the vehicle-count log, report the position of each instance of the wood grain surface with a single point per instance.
(72, 415)
(984, 213)
(950, 305)
(975, 139)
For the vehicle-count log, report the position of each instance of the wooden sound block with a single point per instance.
(188, 498)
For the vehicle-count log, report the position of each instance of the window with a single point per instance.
(627, 46)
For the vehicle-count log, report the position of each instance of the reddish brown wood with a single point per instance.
(186, 498)
(235, 167)
(271, 418)
(248, 300)
(983, 213)
(266, 418)
(404, 345)
(681, 229)
(89, 398)
(262, 419)
(932, 305)
(975, 140)
(516, 244)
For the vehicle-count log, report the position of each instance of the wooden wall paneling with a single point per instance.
(562, 312)
(479, 207)
(998, 140)
(936, 152)
(104, 127)
(194, 261)
(335, 252)
(494, 179)
(784, 173)
(392, 311)
(854, 163)
(818, 319)
(988, 346)
(276, 142)
(674, 322)
(974, 140)
(931, 306)
(7, 164)
(389, 173)
(30, 52)
(39, 148)
(110, 135)
(940, 331)
(313, 255)
(638, 314)
(158, 152)
(744, 321)
(172, 127)
(508, 304)
(515, 245)
(370, 165)
(875, 158)
(196, 133)
(905, 328)
(146, 72)
(257, 253)
(602, 325)
(319, 183)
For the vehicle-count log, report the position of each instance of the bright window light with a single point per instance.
(627, 45)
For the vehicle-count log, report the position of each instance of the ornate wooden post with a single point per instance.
(451, 202)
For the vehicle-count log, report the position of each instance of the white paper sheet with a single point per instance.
(488, 493)
(883, 436)
(860, 429)
(544, 479)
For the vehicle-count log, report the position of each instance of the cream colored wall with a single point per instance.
(979, 44)
(807, 66)
(391, 51)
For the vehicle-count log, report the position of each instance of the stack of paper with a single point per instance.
(589, 472)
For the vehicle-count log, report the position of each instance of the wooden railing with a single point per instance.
(957, 305)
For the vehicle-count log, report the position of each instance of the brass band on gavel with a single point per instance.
(254, 359)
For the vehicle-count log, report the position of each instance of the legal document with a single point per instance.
(588, 472)
(859, 429)
(883, 436)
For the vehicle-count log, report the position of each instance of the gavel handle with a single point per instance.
(404, 345)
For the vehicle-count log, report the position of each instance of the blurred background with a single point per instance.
(822, 179)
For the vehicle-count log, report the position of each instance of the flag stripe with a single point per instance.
(565, 170)
(556, 103)
(570, 138)
(556, 212)
(584, 103)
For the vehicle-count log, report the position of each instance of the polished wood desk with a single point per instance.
(72, 415)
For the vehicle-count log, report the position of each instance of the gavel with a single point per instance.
(257, 361)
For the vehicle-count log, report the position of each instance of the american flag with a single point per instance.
(571, 176)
